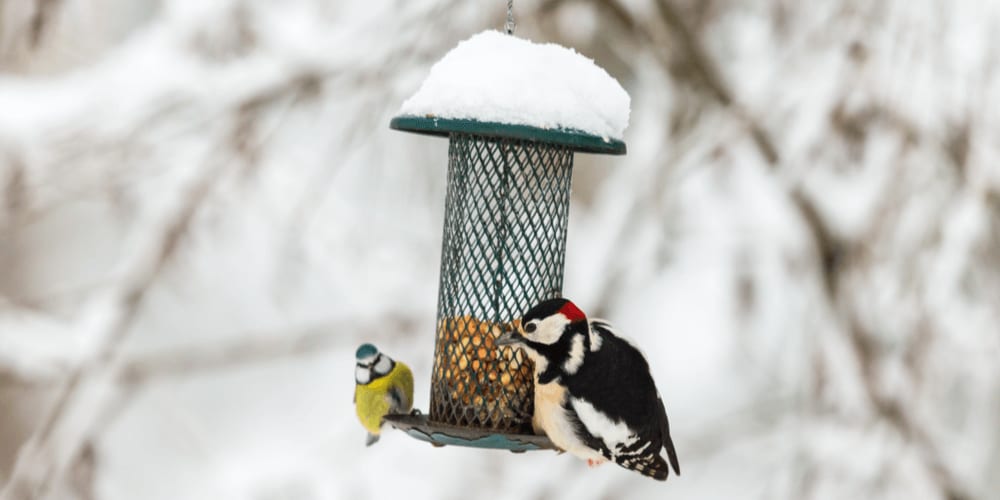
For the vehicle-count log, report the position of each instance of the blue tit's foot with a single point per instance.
(371, 439)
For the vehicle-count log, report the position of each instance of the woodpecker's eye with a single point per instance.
(530, 327)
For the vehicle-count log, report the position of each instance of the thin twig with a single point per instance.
(197, 360)
(126, 303)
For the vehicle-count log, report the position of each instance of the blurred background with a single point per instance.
(204, 212)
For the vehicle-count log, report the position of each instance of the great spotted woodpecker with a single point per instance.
(594, 395)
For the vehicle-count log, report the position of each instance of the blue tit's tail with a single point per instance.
(371, 439)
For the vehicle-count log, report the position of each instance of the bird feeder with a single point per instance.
(503, 251)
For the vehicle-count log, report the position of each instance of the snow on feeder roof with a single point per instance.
(534, 90)
(514, 113)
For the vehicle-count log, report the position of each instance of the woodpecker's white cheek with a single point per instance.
(550, 329)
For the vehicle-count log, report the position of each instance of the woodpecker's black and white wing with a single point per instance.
(616, 408)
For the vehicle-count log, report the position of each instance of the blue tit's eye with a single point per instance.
(530, 327)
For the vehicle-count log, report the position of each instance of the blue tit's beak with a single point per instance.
(510, 337)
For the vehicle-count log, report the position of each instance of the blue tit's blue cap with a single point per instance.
(366, 351)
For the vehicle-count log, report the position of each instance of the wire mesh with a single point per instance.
(503, 251)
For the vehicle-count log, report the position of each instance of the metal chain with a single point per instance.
(510, 18)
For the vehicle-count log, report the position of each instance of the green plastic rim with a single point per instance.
(576, 140)
(418, 427)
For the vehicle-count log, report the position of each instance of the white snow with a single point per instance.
(501, 78)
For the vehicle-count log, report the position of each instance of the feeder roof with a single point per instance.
(501, 85)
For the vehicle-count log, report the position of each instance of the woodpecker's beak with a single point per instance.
(510, 337)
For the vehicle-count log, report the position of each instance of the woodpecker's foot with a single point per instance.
(594, 463)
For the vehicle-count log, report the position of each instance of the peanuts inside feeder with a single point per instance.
(514, 113)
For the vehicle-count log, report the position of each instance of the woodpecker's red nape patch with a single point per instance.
(572, 313)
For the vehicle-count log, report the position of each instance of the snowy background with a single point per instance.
(204, 212)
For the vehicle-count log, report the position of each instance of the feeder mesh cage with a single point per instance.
(503, 251)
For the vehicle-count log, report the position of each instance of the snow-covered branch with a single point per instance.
(803, 237)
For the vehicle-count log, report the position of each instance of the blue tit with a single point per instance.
(383, 387)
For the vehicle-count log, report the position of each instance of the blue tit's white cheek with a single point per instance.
(362, 375)
(384, 365)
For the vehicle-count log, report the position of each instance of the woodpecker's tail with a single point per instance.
(672, 455)
(665, 437)
(650, 465)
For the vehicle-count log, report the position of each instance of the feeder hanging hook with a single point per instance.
(509, 26)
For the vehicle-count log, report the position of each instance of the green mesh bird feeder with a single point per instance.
(514, 113)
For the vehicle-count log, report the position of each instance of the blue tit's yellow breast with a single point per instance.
(373, 402)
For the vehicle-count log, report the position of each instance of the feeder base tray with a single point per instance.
(419, 427)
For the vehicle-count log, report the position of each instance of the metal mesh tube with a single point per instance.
(504, 250)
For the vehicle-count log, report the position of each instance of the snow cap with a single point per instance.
(499, 78)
